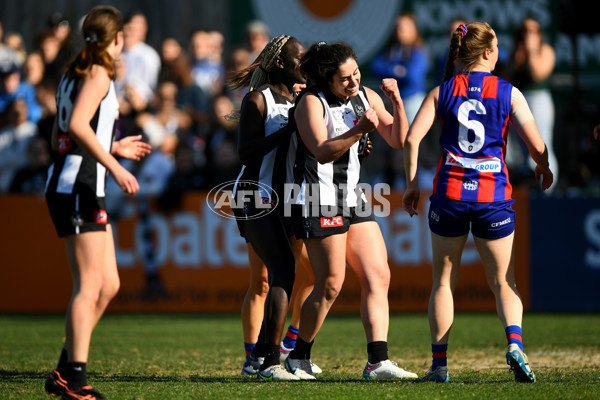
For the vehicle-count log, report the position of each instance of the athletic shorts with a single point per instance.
(77, 213)
(328, 220)
(449, 217)
(241, 216)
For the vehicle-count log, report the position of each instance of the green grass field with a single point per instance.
(200, 357)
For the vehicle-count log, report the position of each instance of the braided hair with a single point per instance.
(467, 44)
(257, 73)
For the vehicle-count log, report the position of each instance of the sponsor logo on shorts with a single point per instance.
(497, 224)
(101, 217)
(471, 185)
(331, 222)
(434, 216)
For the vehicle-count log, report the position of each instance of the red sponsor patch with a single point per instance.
(101, 217)
(330, 222)
(64, 143)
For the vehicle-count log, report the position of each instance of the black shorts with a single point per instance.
(328, 220)
(77, 213)
(241, 217)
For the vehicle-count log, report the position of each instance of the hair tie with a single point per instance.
(263, 69)
(321, 44)
(91, 37)
(463, 30)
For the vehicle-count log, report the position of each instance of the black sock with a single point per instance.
(271, 356)
(378, 351)
(260, 349)
(302, 350)
(62, 363)
(76, 375)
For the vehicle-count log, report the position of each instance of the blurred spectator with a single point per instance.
(257, 36)
(405, 58)
(6, 53)
(13, 142)
(34, 68)
(12, 88)
(15, 41)
(208, 70)
(162, 125)
(170, 51)
(45, 93)
(55, 61)
(223, 163)
(237, 60)
(187, 176)
(32, 178)
(191, 98)
(142, 61)
(530, 67)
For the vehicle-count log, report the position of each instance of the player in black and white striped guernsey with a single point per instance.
(333, 119)
(263, 146)
(83, 135)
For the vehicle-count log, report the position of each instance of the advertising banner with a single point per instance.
(194, 260)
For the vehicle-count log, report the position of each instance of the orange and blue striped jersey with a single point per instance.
(474, 111)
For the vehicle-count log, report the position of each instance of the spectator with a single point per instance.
(257, 36)
(6, 53)
(530, 67)
(34, 68)
(55, 60)
(208, 70)
(221, 149)
(405, 58)
(15, 41)
(13, 142)
(142, 61)
(237, 61)
(45, 94)
(11, 88)
(32, 177)
(170, 51)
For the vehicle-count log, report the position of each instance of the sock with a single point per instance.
(378, 351)
(62, 363)
(76, 375)
(260, 349)
(302, 350)
(439, 357)
(271, 356)
(514, 334)
(248, 348)
(290, 338)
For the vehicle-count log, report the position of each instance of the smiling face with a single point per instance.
(346, 80)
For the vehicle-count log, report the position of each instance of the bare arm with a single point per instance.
(95, 87)
(393, 129)
(421, 125)
(312, 130)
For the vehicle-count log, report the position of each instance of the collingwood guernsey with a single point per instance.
(75, 170)
(334, 183)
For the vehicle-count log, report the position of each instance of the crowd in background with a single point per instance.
(177, 97)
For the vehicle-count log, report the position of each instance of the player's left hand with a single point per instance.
(131, 147)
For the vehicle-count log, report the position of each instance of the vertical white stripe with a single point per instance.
(107, 118)
(50, 172)
(238, 179)
(68, 175)
(327, 189)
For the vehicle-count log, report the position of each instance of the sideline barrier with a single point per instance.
(203, 263)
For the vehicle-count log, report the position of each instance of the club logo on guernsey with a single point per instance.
(101, 217)
(470, 185)
(331, 222)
